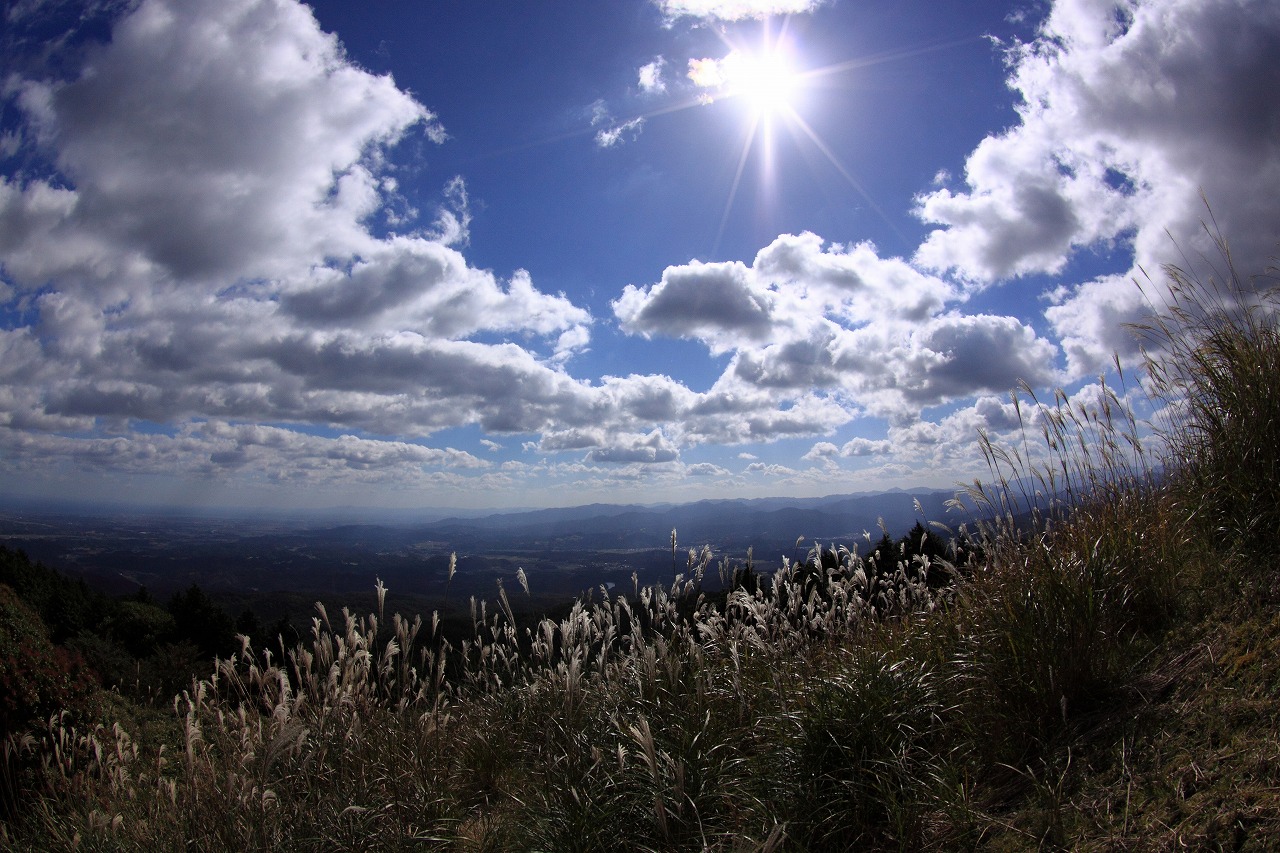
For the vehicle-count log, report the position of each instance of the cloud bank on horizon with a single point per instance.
(216, 278)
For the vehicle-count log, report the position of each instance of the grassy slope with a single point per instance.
(1186, 755)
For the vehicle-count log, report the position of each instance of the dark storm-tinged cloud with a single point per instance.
(1031, 229)
(215, 449)
(964, 355)
(650, 448)
(425, 287)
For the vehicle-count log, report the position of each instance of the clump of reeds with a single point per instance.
(1213, 356)
(1091, 542)
(623, 712)
(1075, 532)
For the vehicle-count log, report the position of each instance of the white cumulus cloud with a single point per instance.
(866, 331)
(202, 248)
(1129, 112)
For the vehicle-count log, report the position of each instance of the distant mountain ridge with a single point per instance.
(724, 524)
(564, 550)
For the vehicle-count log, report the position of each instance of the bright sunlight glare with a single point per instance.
(767, 81)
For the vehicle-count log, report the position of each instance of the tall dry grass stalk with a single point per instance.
(1213, 356)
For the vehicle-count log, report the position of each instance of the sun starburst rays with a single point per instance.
(768, 79)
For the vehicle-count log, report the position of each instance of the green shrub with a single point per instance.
(37, 681)
(67, 607)
(36, 678)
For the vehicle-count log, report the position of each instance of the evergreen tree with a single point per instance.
(203, 621)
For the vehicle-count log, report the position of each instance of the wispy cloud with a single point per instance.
(616, 133)
(651, 81)
(611, 131)
(735, 10)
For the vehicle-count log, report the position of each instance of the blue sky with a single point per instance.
(459, 254)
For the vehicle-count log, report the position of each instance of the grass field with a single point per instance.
(1094, 666)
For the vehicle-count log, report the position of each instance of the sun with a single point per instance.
(774, 80)
(766, 80)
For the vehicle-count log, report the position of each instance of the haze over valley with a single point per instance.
(278, 564)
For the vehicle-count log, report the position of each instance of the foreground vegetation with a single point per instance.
(1094, 666)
